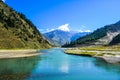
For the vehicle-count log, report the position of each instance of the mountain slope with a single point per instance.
(102, 36)
(53, 43)
(60, 37)
(116, 40)
(16, 31)
(78, 35)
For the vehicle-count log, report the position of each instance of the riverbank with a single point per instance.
(109, 55)
(17, 53)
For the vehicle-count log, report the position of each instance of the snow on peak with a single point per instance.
(64, 27)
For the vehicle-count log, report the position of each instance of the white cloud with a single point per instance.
(87, 31)
(3, 0)
(41, 30)
(49, 30)
(80, 31)
(84, 31)
(64, 27)
(83, 28)
(45, 30)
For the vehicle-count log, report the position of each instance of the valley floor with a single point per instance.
(110, 54)
(17, 53)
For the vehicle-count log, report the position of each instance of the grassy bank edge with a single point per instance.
(110, 54)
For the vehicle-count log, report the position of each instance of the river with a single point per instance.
(54, 64)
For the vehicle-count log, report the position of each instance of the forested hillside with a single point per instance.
(108, 31)
(16, 31)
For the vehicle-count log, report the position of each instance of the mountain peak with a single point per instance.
(64, 27)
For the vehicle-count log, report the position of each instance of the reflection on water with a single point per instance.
(53, 64)
(107, 66)
(17, 69)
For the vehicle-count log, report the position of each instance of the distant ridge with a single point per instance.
(107, 35)
(61, 37)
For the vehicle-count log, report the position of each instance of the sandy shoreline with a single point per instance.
(108, 56)
(17, 53)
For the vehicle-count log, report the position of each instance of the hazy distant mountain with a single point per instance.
(78, 35)
(61, 37)
(109, 34)
(53, 43)
(16, 31)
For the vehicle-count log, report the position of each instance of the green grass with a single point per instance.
(78, 52)
(102, 48)
(18, 32)
(94, 50)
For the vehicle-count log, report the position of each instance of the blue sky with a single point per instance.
(77, 14)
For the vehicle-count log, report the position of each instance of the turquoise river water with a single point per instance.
(54, 64)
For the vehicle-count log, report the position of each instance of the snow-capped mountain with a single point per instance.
(61, 37)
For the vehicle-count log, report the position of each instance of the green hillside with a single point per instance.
(16, 31)
(98, 34)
